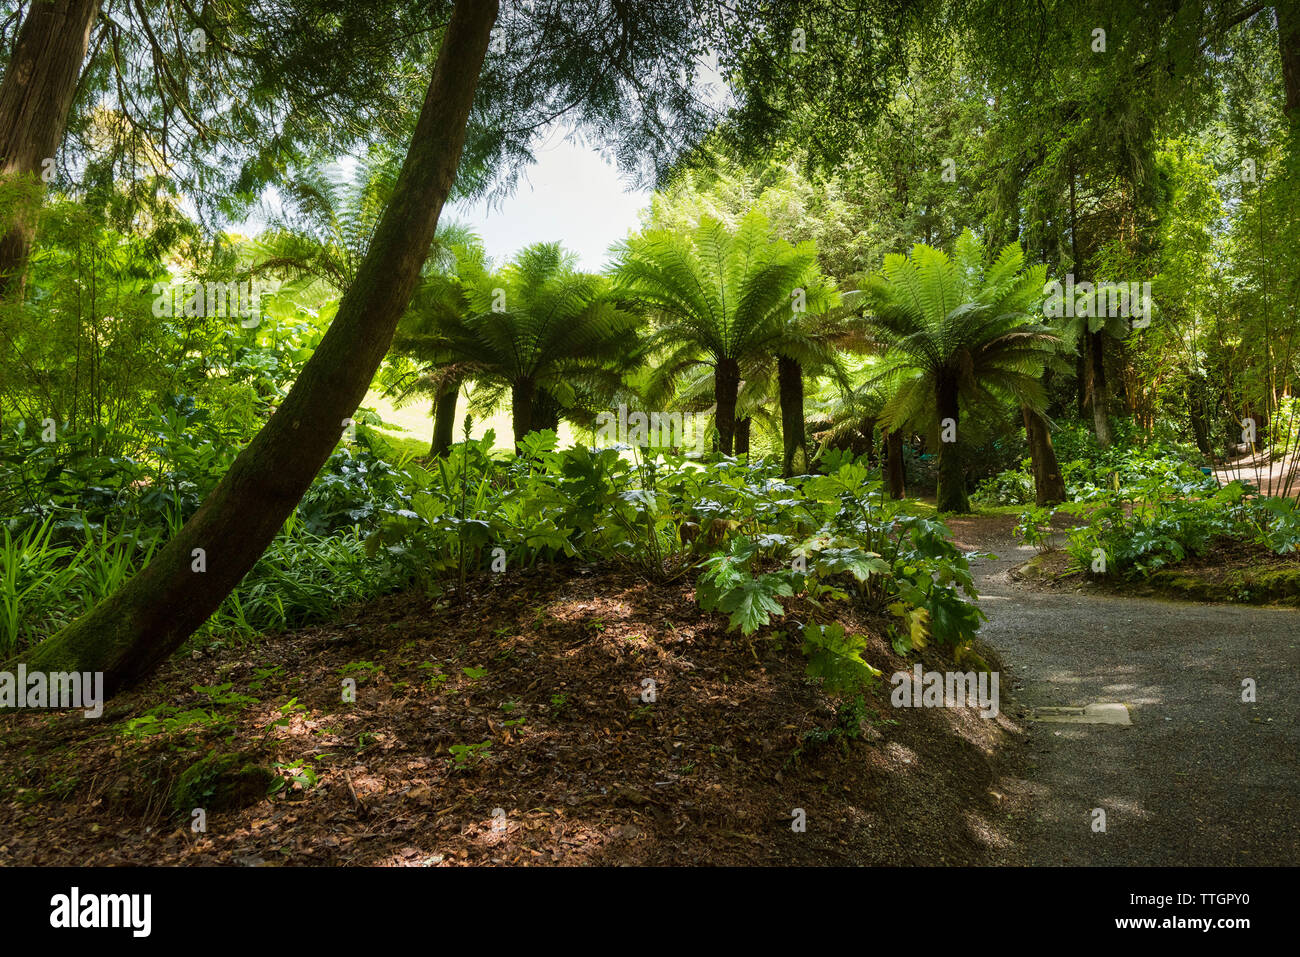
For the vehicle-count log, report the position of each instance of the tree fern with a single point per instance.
(957, 330)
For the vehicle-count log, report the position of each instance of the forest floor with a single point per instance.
(509, 729)
(1199, 777)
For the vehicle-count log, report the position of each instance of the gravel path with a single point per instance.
(1200, 778)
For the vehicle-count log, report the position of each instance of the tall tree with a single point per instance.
(35, 97)
(719, 298)
(127, 635)
(952, 328)
(1288, 42)
(625, 71)
(538, 329)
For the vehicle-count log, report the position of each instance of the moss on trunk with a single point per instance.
(1049, 486)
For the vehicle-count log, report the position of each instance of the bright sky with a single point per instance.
(570, 195)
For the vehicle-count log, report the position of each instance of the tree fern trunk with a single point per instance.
(726, 386)
(546, 412)
(444, 419)
(523, 394)
(1081, 378)
(742, 435)
(133, 631)
(951, 492)
(789, 376)
(1100, 389)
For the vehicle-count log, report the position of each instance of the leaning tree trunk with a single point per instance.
(894, 462)
(950, 496)
(1100, 389)
(35, 98)
(133, 631)
(726, 386)
(789, 377)
(444, 419)
(1049, 486)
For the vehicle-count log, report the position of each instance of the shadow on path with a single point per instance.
(1200, 778)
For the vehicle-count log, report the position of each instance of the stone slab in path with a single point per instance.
(1097, 713)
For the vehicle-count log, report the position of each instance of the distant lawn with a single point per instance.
(415, 425)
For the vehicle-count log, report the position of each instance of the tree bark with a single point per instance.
(1049, 486)
(523, 393)
(546, 412)
(1200, 429)
(1081, 377)
(742, 436)
(133, 631)
(950, 495)
(35, 99)
(726, 386)
(789, 377)
(1288, 40)
(894, 463)
(1100, 391)
(444, 419)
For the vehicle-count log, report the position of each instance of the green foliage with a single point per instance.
(554, 339)
(1121, 472)
(1006, 488)
(361, 671)
(956, 329)
(722, 300)
(729, 586)
(961, 320)
(293, 777)
(170, 720)
(721, 292)
(287, 712)
(1035, 527)
(90, 522)
(467, 755)
(836, 658)
(1160, 529)
(222, 696)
